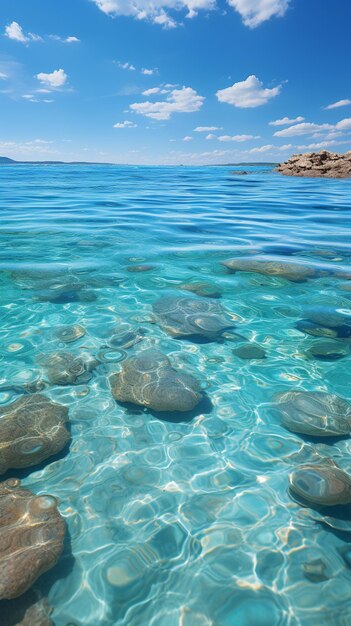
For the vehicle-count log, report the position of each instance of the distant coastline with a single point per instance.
(7, 161)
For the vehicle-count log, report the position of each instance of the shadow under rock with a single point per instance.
(25, 471)
(335, 519)
(329, 441)
(204, 340)
(30, 609)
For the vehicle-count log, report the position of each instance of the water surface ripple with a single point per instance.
(179, 521)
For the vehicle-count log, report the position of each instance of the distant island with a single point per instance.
(8, 161)
(252, 163)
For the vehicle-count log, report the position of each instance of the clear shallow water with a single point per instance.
(178, 522)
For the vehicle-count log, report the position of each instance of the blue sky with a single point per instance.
(174, 81)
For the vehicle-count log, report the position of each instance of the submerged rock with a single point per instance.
(250, 351)
(330, 317)
(31, 430)
(66, 294)
(66, 368)
(203, 289)
(323, 163)
(150, 380)
(328, 351)
(31, 537)
(315, 330)
(324, 484)
(295, 272)
(185, 317)
(326, 321)
(125, 336)
(314, 413)
(315, 571)
(140, 268)
(68, 334)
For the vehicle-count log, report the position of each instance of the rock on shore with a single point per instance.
(323, 163)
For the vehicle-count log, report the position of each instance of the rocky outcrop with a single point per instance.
(323, 163)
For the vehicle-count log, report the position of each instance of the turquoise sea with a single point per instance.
(181, 519)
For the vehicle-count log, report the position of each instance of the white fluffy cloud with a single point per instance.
(238, 138)
(318, 146)
(284, 121)
(259, 149)
(15, 31)
(304, 128)
(152, 91)
(36, 146)
(187, 138)
(54, 80)
(149, 72)
(254, 12)
(129, 66)
(156, 11)
(70, 39)
(247, 94)
(126, 66)
(3, 76)
(339, 103)
(327, 131)
(125, 124)
(344, 124)
(164, 12)
(184, 100)
(206, 129)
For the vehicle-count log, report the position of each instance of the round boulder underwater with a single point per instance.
(182, 316)
(201, 288)
(32, 429)
(150, 380)
(316, 330)
(250, 351)
(295, 272)
(31, 537)
(313, 413)
(324, 484)
(328, 316)
(66, 368)
(328, 351)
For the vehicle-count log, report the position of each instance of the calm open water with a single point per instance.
(179, 521)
